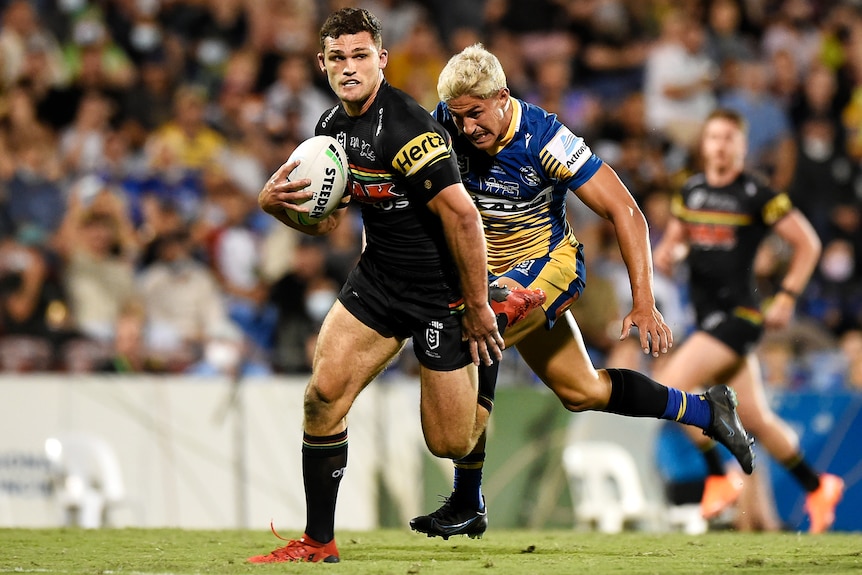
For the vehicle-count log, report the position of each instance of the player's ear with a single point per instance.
(384, 58)
(320, 62)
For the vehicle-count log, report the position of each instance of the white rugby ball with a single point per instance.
(323, 161)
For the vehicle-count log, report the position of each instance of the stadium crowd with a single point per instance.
(135, 135)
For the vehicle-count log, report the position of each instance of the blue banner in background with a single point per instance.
(830, 431)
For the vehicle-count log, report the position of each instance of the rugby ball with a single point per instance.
(323, 161)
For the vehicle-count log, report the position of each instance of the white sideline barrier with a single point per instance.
(192, 459)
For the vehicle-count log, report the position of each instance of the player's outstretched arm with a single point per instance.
(805, 245)
(606, 195)
(462, 225)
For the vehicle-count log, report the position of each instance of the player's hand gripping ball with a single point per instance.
(323, 161)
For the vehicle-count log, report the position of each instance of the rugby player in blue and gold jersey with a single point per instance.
(520, 163)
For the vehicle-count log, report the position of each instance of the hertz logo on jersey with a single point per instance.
(423, 150)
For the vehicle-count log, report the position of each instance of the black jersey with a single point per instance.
(725, 227)
(399, 157)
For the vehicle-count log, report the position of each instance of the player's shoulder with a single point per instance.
(693, 182)
(536, 120)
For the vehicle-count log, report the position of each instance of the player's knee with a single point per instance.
(449, 447)
(579, 400)
(319, 401)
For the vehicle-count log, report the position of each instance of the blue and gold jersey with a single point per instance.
(521, 189)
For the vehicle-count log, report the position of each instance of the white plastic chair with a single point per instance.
(86, 477)
(605, 485)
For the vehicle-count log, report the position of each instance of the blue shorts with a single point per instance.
(561, 274)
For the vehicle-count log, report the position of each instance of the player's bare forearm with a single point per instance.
(462, 226)
(797, 231)
(606, 195)
(280, 194)
(633, 238)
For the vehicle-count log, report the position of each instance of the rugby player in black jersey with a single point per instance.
(520, 164)
(422, 274)
(720, 217)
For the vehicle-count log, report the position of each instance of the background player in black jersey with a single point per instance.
(721, 216)
(421, 275)
(520, 164)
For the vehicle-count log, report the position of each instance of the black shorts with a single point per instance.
(739, 329)
(428, 312)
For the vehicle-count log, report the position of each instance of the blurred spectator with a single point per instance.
(679, 81)
(186, 141)
(771, 147)
(554, 91)
(129, 353)
(786, 79)
(82, 144)
(235, 258)
(226, 353)
(21, 33)
(505, 46)
(293, 92)
(825, 176)
(302, 296)
(94, 59)
(614, 45)
(178, 151)
(149, 104)
(817, 97)
(399, 17)
(726, 43)
(159, 218)
(215, 30)
(415, 64)
(34, 196)
(794, 30)
(182, 300)
(279, 27)
(33, 303)
(235, 106)
(99, 248)
(835, 296)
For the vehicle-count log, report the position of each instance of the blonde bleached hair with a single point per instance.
(472, 72)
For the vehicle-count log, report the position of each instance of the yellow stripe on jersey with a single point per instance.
(518, 237)
(366, 174)
(513, 127)
(421, 151)
(679, 210)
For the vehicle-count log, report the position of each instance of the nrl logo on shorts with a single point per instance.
(432, 334)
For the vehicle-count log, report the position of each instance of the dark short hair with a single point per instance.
(731, 116)
(351, 21)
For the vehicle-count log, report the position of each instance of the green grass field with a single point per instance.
(397, 552)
